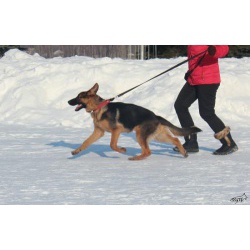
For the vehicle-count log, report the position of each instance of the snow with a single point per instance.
(38, 130)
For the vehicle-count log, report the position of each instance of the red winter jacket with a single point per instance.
(208, 71)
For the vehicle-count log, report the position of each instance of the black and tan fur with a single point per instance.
(118, 117)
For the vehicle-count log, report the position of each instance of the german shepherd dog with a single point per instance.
(118, 117)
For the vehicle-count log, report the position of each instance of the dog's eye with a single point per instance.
(83, 95)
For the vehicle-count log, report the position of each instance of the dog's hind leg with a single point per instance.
(115, 133)
(98, 133)
(143, 142)
(163, 134)
(175, 141)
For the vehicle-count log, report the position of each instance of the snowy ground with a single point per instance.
(38, 130)
(37, 168)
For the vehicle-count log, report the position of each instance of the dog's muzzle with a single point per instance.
(74, 102)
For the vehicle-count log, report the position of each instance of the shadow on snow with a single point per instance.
(102, 150)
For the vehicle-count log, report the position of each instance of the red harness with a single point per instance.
(102, 104)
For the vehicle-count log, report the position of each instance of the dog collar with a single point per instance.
(102, 104)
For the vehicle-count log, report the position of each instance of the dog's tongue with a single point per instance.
(78, 107)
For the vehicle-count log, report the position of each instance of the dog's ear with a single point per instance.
(94, 89)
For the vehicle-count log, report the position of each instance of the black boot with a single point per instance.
(226, 149)
(190, 145)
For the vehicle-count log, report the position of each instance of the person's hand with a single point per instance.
(211, 50)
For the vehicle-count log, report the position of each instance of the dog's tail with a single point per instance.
(176, 130)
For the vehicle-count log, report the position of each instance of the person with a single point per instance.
(202, 82)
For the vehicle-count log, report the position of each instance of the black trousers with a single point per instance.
(206, 96)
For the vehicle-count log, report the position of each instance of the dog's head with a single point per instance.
(88, 99)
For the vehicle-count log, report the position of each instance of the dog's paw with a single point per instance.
(139, 157)
(119, 149)
(134, 158)
(122, 150)
(75, 152)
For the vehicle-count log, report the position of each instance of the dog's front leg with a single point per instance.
(114, 139)
(98, 133)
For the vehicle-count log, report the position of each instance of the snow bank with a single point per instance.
(35, 90)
